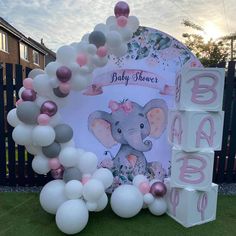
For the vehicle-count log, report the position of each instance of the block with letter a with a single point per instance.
(195, 130)
(191, 169)
(190, 207)
(200, 89)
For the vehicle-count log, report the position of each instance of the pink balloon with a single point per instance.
(144, 187)
(102, 51)
(43, 119)
(65, 88)
(85, 178)
(82, 59)
(18, 102)
(122, 21)
(54, 163)
(28, 83)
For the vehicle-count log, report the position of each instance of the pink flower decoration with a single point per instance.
(122, 21)
(43, 119)
(82, 59)
(113, 105)
(28, 83)
(102, 51)
(144, 187)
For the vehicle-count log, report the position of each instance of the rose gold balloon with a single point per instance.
(158, 189)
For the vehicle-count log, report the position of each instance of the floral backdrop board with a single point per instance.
(122, 115)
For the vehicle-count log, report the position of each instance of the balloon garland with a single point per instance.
(79, 187)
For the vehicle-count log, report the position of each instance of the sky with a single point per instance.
(61, 22)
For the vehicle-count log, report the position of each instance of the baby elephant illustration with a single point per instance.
(129, 124)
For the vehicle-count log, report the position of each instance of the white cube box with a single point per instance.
(195, 130)
(190, 207)
(191, 169)
(200, 89)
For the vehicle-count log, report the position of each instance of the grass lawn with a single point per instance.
(21, 214)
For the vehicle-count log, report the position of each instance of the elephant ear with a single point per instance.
(156, 111)
(100, 126)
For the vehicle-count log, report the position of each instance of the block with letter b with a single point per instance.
(191, 169)
(190, 207)
(200, 89)
(195, 130)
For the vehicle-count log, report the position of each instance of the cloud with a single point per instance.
(61, 22)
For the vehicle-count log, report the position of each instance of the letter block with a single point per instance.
(200, 89)
(190, 207)
(191, 169)
(195, 130)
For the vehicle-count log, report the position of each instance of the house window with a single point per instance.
(36, 57)
(3, 41)
(24, 51)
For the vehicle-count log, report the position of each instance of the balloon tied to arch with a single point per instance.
(79, 187)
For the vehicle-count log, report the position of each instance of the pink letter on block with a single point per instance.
(176, 131)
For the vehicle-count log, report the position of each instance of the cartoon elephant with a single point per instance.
(130, 124)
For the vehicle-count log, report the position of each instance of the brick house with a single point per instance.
(16, 48)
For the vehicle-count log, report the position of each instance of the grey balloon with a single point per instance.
(58, 93)
(64, 133)
(33, 73)
(52, 150)
(28, 112)
(97, 38)
(72, 173)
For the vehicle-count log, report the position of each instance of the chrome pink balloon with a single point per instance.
(158, 189)
(49, 108)
(28, 95)
(58, 173)
(63, 74)
(121, 9)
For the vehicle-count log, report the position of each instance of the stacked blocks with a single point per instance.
(195, 131)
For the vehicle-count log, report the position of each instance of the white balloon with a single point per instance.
(41, 85)
(80, 47)
(40, 100)
(158, 207)
(114, 39)
(51, 68)
(148, 198)
(33, 73)
(92, 206)
(99, 61)
(126, 33)
(91, 49)
(72, 216)
(111, 20)
(52, 196)
(79, 83)
(93, 190)
(133, 23)
(105, 176)
(121, 51)
(22, 134)
(101, 27)
(43, 135)
(68, 157)
(71, 143)
(55, 120)
(74, 189)
(54, 82)
(66, 55)
(87, 163)
(34, 150)
(12, 118)
(126, 201)
(138, 179)
(20, 91)
(102, 202)
(85, 38)
(40, 165)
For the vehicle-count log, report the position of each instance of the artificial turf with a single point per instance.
(21, 215)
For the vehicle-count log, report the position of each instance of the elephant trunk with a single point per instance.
(134, 139)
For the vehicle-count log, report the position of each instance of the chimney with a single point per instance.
(42, 41)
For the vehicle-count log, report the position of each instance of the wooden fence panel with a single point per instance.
(11, 144)
(3, 180)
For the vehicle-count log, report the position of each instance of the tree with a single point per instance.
(210, 53)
